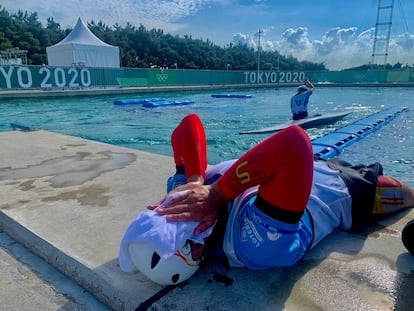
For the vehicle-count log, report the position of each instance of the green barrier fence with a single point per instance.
(45, 77)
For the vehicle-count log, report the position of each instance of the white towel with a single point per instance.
(162, 235)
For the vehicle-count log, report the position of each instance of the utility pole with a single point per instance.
(258, 53)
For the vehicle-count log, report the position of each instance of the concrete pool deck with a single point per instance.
(69, 200)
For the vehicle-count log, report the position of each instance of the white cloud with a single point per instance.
(159, 14)
(296, 38)
(365, 39)
(405, 41)
(338, 48)
(242, 39)
(401, 49)
(334, 39)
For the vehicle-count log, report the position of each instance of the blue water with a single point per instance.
(96, 118)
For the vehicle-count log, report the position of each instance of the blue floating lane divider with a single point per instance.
(332, 144)
(136, 101)
(360, 130)
(231, 96)
(167, 103)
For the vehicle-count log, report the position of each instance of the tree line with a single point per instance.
(142, 48)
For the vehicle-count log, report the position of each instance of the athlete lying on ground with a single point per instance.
(266, 209)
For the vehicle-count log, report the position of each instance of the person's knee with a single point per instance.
(299, 144)
(188, 141)
(191, 120)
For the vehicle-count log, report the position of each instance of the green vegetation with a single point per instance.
(396, 66)
(142, 48)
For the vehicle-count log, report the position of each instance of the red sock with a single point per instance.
(188, 141)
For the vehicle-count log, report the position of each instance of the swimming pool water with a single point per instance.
(97, 118)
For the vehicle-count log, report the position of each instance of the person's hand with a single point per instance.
(188, 185)
(201, 203)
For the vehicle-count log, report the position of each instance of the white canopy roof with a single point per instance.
(82, 47)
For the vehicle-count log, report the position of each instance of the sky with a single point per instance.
(339, 34)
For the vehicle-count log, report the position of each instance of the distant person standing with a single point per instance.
(299, 101)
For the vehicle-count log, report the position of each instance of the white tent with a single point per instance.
(82, 47)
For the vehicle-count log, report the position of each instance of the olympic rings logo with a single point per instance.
(162, 77)
(360, 76)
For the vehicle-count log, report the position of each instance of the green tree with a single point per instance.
(142, 48)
